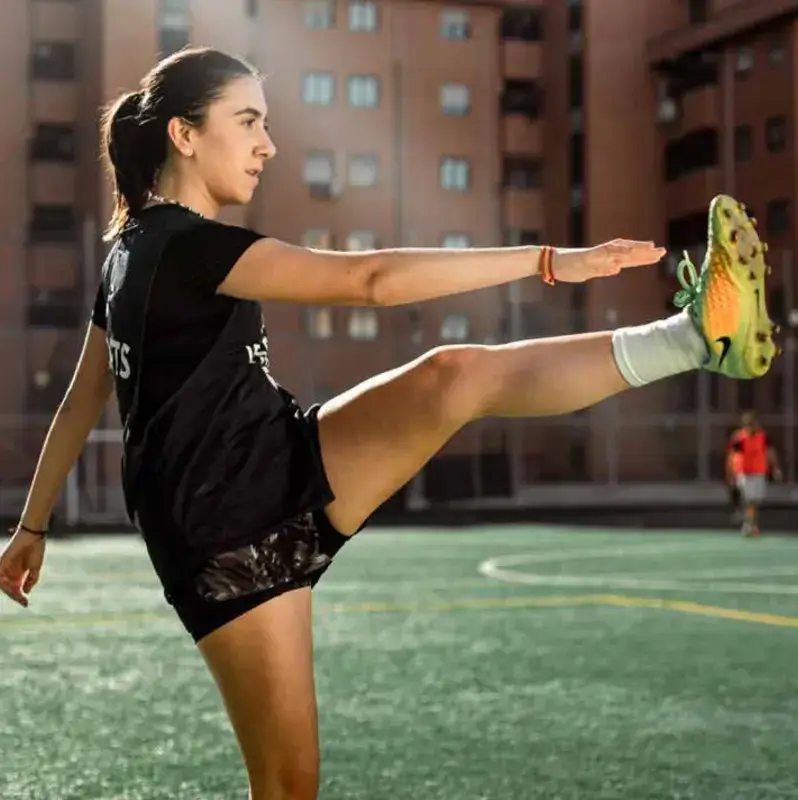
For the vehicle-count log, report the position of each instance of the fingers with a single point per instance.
(30, 581)
(627, 253)
(13, 588)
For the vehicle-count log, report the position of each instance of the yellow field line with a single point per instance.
(542, 601)
(688, 607)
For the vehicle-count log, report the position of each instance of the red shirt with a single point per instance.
(753, 447)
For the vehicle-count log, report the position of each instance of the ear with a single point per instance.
(179, 132)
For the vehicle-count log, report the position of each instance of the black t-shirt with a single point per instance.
(186, 315)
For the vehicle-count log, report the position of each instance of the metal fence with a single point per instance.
(661, 444)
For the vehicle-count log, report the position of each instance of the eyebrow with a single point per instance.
(249, 110)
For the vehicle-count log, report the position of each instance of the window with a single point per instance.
(575, 81)
(522, 23)
(574, 16)
(454, 24)
(319, 14)
(697, 150)
(318, 88)
(54, 61)
(577, 158)
(357, 241)
(318, 239)
(363, 170)
(520, 237)
(521, 97)
(174, 25)
(687, 232)
(576, 227)
(53, 143)
(454, 328)
(776, 134)
(777, 48)
(743, 143)
(319, 322)
(457, 241)
(455, 99)
(319, 168)
(455, 174)
(521, 172)
(362, 15)
(53, 308)
(363, 91)
(53, 223)
(778, 217)
(744, 61)
(698, 11)
(363, 324)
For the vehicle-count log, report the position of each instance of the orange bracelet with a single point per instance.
(547, 265)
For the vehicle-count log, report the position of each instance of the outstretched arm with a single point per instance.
(78, 413)
(273, 270)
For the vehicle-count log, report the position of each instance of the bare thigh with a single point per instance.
(263, 665)
(378, 435)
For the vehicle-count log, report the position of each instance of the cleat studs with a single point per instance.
(765, 247)
(763, 361)
(727, 213)
(752, 276)
(735, 235)
(761, 337)
(769, 270)
(754, 252)
(776, 329)
(753, 222)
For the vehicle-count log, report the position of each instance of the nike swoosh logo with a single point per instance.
(726, 342)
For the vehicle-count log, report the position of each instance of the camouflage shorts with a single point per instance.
(293, 552)
(233, 582)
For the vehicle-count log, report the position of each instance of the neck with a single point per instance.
(171, 187)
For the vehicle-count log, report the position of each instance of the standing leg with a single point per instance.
(263, 665)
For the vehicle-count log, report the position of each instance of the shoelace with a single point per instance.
(692, 283)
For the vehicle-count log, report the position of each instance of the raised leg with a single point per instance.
(377, 436)
(263, 665)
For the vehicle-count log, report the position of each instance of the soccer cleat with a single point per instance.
(727, 298)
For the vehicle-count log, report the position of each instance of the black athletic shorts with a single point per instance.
(292, 556)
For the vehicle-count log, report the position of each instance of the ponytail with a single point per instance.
(133, 151)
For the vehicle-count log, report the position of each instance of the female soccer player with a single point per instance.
(242, 498)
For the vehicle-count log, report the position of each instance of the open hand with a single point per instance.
(582, 264)
(20, 564)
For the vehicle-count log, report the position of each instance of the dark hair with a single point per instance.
(134, 136)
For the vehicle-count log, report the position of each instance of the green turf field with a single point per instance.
(487, 664)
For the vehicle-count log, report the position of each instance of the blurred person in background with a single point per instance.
(751, 460)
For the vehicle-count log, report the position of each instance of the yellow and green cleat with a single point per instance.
(727, 298)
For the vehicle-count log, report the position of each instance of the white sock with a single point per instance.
(647, 353)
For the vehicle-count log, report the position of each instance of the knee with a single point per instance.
(452, 374)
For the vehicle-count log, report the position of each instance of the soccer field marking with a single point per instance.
(500, 568)
(95, 620)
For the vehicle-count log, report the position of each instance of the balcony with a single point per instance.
(739, 18)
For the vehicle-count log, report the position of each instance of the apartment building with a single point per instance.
(423, 123)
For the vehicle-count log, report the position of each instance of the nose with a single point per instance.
(266, 148)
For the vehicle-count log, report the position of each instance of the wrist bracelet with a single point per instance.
(547, 265)
(31, 530)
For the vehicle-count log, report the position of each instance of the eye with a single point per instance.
(249, 123)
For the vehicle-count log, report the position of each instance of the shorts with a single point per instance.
(752, 488)
(229, 584)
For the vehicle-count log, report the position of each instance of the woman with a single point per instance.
(243, 499)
